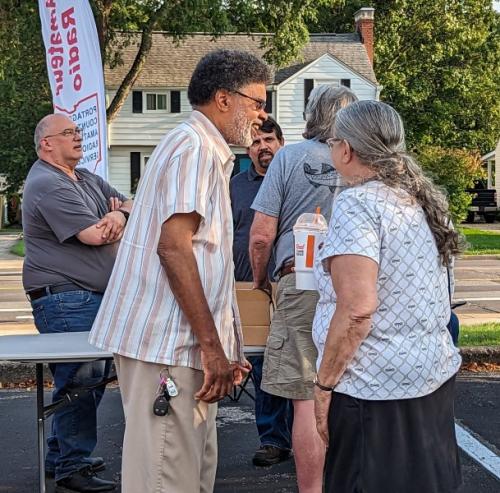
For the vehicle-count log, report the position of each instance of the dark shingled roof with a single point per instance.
(171, 65)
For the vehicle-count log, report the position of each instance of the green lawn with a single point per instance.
(18, 248)
(481, 242)
(480, 335)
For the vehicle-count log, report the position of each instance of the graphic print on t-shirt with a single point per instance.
(327, 176)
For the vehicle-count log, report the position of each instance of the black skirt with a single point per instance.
(398, 446)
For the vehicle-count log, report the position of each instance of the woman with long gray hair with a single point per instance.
(386, 361)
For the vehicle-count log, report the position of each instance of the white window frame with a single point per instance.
(156, 93)
(331, 82)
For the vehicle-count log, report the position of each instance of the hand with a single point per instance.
(114, 204)
(218, 377)
(240, 371)
(112, 224)
(322, 402)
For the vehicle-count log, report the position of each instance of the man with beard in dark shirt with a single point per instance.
(273, 414)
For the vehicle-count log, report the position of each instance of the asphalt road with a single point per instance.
(477, 403)
(476, 407)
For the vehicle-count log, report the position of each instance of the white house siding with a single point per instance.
(136, 129)
(291, 93)
(119, 165)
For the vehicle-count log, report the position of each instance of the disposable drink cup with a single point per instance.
(309, 232)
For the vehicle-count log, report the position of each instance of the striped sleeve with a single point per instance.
(188, 182)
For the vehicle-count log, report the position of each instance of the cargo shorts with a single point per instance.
(290, 354)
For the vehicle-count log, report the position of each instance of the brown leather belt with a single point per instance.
(287, 269)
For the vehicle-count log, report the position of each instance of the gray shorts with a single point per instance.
(290, 355)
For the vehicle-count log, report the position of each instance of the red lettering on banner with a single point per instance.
(74, 55)
(53, 21)
(50, 4)
(58, 77)
(55, 49)
(77, 82)
(71, 36)
(56, 39)
(66, 18)
(56, 62)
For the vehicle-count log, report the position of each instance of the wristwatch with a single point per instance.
(322, 387)
(125, 213)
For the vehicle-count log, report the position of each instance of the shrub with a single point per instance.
(454, 170)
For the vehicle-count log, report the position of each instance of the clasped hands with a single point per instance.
(113, 223)
(220, 375)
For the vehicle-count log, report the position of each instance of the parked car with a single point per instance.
(484, 203)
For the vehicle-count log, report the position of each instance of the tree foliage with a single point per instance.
(287, 19)
(439, 65)
(24, 89)
(454, 170)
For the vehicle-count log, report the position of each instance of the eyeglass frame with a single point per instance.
(66, 133)
(261, 103)
(329, 142)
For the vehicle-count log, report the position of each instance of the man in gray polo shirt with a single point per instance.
(300, 178)
(72, 221)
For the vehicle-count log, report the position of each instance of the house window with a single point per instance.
(330, 82)
(156, 102)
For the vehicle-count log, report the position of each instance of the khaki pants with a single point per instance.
(176, 453)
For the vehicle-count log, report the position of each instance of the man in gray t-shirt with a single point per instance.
(72, 220)
(301, 178)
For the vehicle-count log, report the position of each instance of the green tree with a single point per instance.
(24, 89)
(119, 22)
(439, 64)
(455, 170)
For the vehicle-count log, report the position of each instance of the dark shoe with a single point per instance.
(84, 481)
(268, 455)
(96, 464)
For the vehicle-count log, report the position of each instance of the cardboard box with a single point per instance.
(255, 312)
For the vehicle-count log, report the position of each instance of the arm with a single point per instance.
(262, 236)
(175, 249)
(109, 228)
(354, 279)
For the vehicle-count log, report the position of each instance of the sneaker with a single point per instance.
(96, 464)
(268, 455)
(84, 481)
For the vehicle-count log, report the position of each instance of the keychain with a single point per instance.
(166, 390)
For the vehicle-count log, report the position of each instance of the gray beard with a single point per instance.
(240, 131)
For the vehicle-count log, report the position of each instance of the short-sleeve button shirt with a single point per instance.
(139, 316)
(408, 352)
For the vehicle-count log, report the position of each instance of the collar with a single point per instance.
(252, 173)
(202, 124)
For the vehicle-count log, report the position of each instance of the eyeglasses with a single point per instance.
(330, 142)
(67, 132)
(260, 103)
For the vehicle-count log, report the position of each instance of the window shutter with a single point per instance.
(135, 170)
(136, 101)
(269, 102)
(308, 87)
(345, 82)
(175, 101)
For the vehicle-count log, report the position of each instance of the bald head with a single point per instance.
(47, 125)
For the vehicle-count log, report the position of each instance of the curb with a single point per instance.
(478, 354)
(13, 372)
(489, 256)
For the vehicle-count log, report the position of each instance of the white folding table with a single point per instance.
(64, 347)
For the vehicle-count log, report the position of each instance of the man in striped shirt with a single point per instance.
(170, 308)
